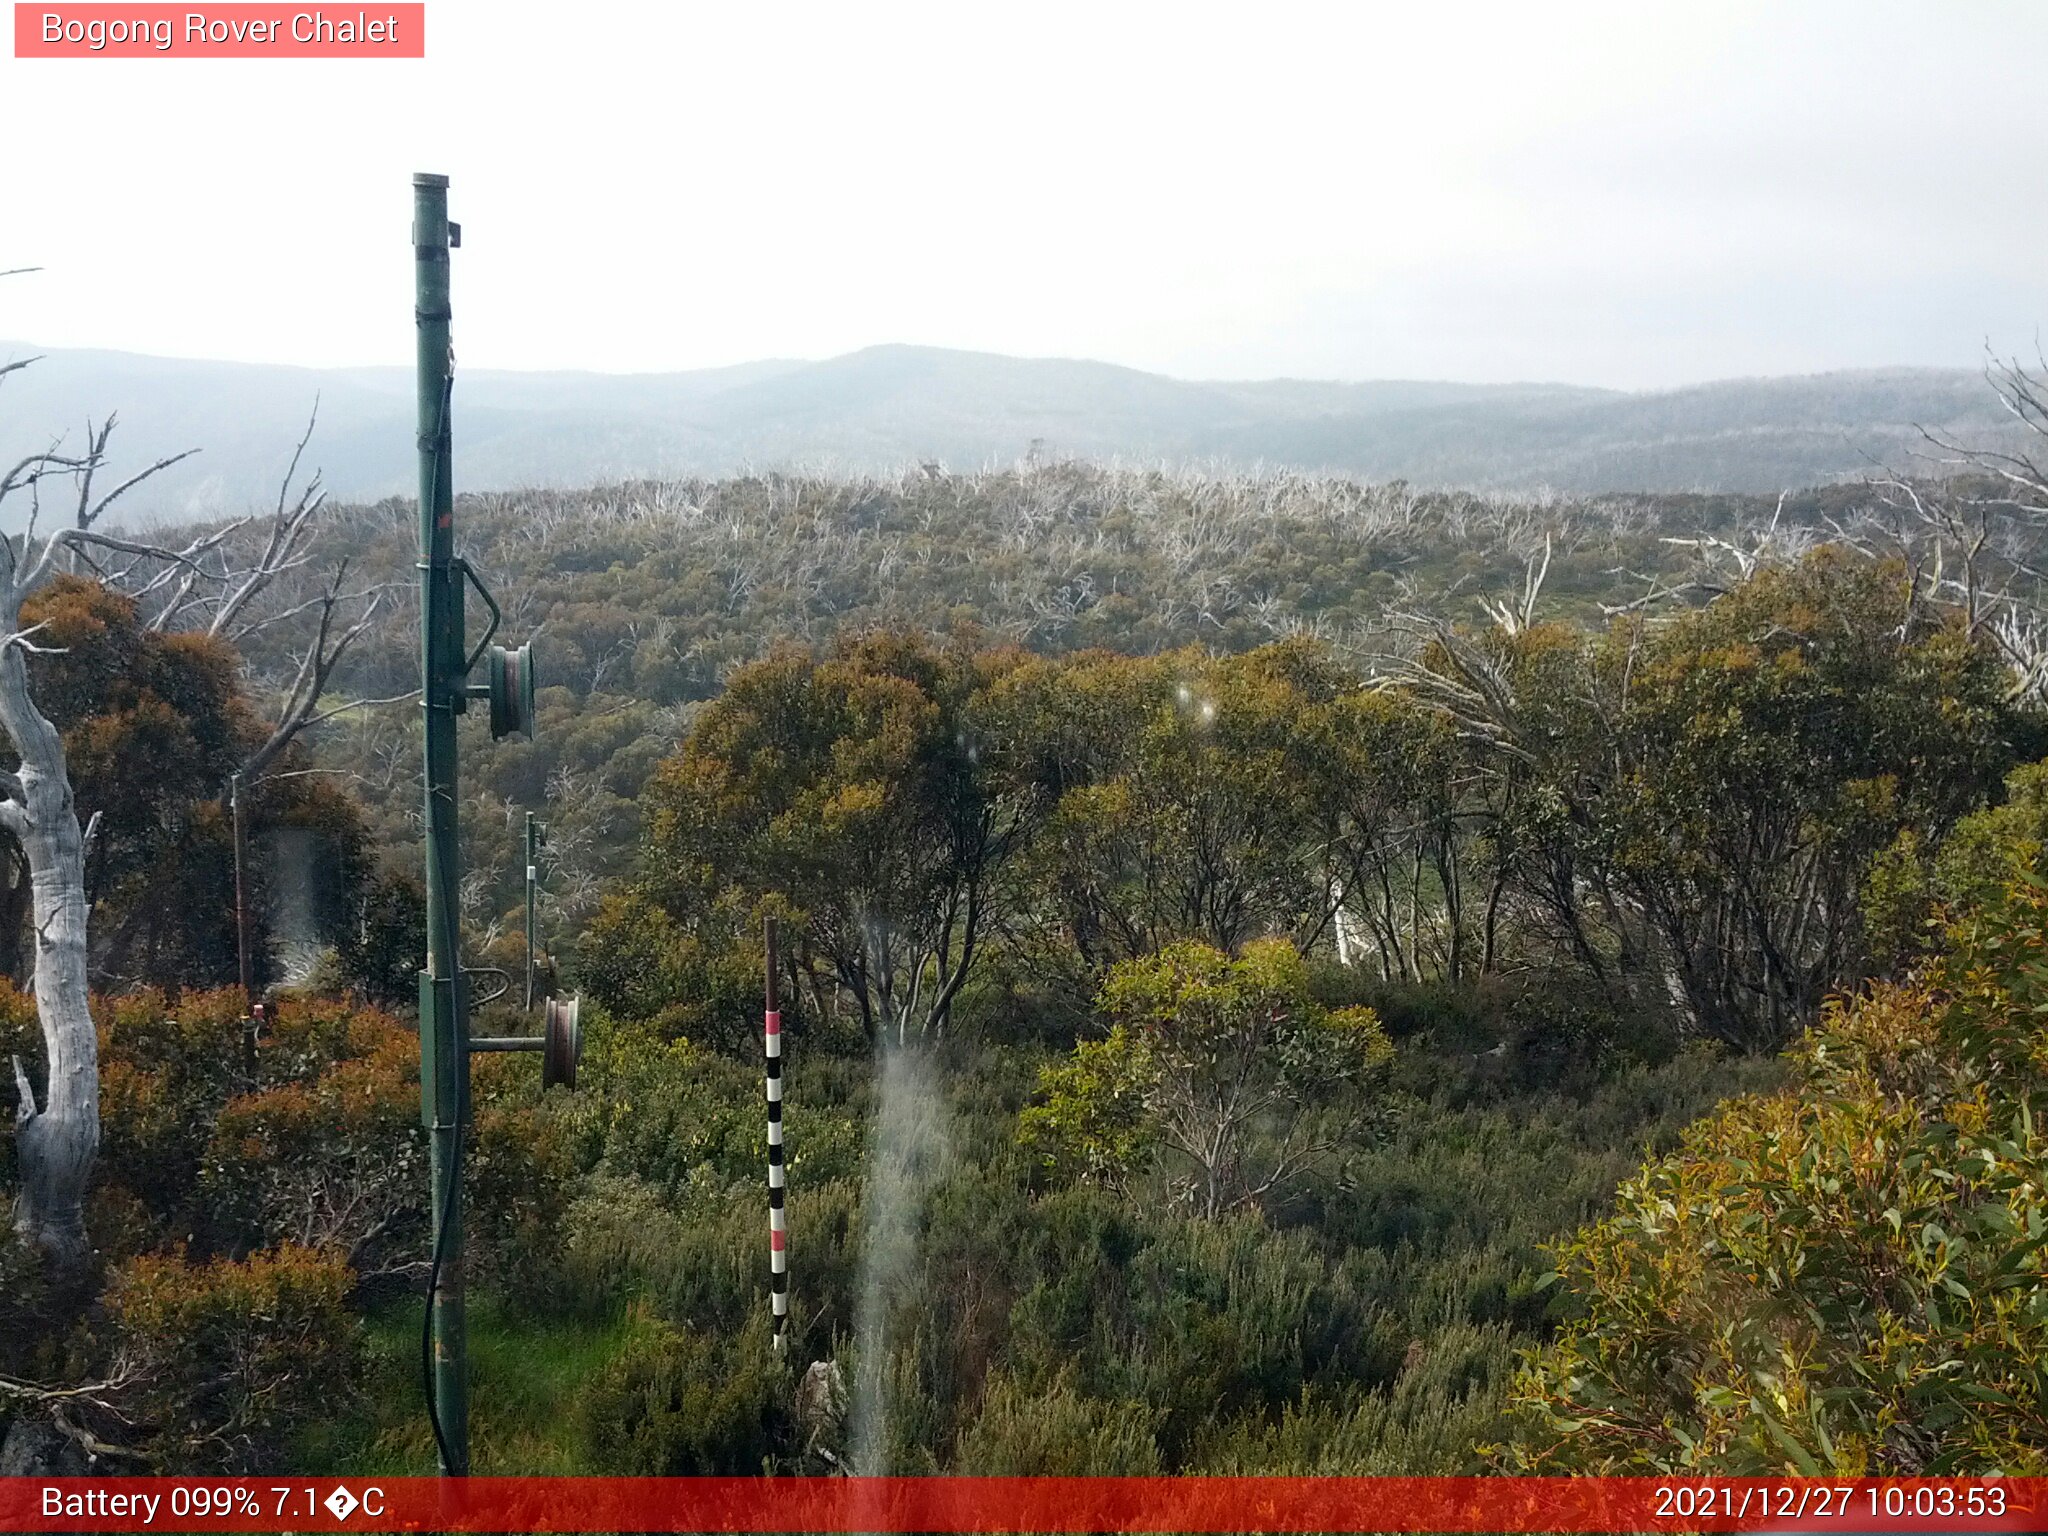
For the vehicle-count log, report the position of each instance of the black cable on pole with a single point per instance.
(451, 1185)
(452, 1181)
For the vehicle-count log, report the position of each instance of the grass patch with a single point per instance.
(525, 1375)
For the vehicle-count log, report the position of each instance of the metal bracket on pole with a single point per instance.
(469, 575)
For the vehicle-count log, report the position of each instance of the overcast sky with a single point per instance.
(1638, 195)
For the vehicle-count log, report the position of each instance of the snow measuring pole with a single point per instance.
(446, 663)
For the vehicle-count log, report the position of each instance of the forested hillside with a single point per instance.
(875, 410)
(642, 598)
(1239, 934)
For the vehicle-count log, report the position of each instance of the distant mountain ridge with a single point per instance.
(886, 407)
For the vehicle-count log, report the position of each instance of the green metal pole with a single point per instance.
(444, 1033)
(532, 873)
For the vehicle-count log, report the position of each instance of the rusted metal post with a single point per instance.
(243, 954)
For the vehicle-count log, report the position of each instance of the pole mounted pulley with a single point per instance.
(511, 685)
(563, 1034)
(508, 675)
(560, 1041)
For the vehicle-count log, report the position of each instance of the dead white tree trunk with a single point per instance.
(57, 1139)
(57, 1136)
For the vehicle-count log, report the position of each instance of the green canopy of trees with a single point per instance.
(1684, 814)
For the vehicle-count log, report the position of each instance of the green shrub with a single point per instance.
(333, 1158)
(1842, 1277)
(1426, 1424)
(1912, 883)
(1056, 1431)
(166, 1068)
(691, 1403)
(667, 1111)
(1225, 1071)
(226, 1358)
(520, 1173)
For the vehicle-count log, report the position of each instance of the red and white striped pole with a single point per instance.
(778, 1226)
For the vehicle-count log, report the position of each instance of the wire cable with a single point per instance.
(452, 1176)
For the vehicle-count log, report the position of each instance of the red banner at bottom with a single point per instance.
(1052, 1504)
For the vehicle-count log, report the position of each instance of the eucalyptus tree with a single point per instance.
(856, 793)
(1182, 801)
(1707, 791)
